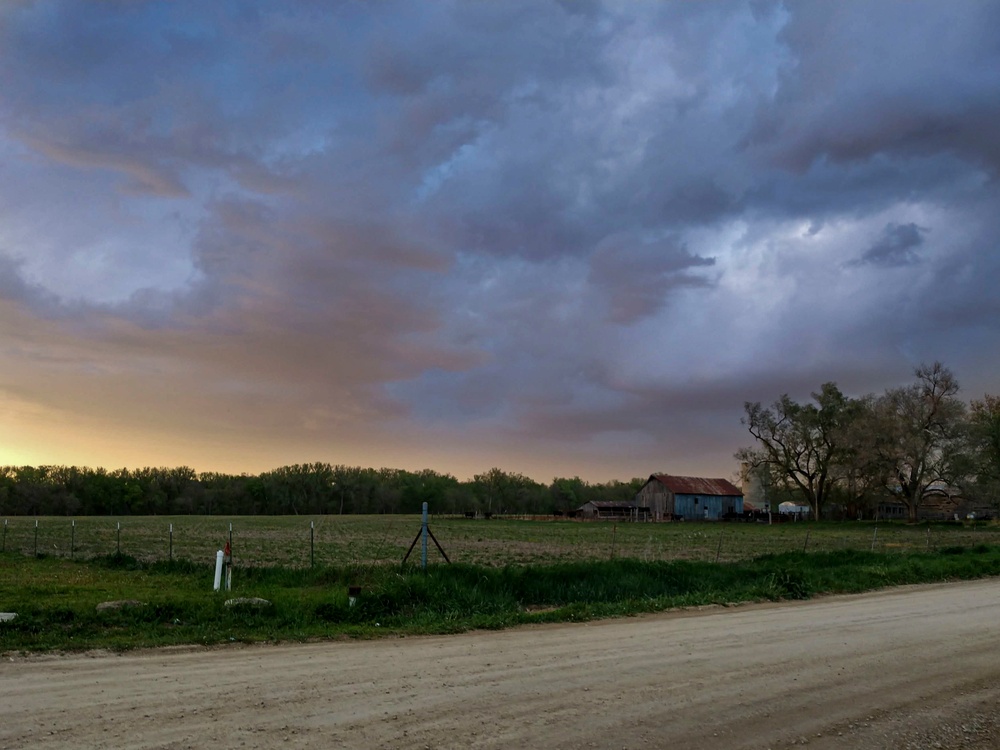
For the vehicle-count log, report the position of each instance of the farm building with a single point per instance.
(940, 501)
(797, 511)
(692, 498)
(603, 509)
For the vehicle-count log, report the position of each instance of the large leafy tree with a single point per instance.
(568, 494)
(800, 445)
(499, 491)
(921, 427)
(984, 443)
(861, 473)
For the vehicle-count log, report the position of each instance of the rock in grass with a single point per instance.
(120, 604)
(251, 602)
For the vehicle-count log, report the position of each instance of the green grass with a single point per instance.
(56, 598)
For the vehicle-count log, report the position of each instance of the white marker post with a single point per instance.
(218, 570)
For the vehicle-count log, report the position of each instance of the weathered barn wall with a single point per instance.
(657, 498)
(709, 507)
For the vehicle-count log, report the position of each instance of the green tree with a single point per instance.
(984, 444)
(508, 492)
(567, 494)
(800, 444)
(921, 429)
(861, 472)
(491, 488)
(427, 486)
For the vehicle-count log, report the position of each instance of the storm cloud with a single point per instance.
(896, 247)
(559, 238)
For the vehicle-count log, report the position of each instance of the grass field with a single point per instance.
(365, 540)
(506, 572)
(59, 602)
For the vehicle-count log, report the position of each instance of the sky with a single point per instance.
(559, 238)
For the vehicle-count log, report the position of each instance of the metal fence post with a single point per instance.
(423, 540)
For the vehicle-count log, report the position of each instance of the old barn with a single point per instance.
(692, 498)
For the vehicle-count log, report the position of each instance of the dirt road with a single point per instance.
(916, 667)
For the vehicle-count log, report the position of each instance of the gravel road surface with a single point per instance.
(915, 667)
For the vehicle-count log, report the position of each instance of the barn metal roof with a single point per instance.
(697, 485)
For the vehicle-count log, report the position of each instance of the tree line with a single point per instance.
(308, 489)
(904, 446)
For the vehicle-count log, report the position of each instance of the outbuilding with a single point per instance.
(692, 498)
(607, 509)
(797, 511)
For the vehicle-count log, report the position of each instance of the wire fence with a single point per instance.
(299, 541)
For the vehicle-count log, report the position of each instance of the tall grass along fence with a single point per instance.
(61, 604)
(300, 541)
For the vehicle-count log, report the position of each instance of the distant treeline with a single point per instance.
(317, 488)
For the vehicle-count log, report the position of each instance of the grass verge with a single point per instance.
(56, 599)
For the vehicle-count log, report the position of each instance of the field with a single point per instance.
(301, 541)
(58, 575)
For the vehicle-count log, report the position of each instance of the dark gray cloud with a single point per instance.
(560, 237)
(639, 277)
(893, 79)
(896, 247)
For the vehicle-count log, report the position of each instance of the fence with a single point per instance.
(300, 541)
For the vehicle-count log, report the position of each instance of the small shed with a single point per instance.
(608, 509)
(692, 498)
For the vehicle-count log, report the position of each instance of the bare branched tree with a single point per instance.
(800, 444)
